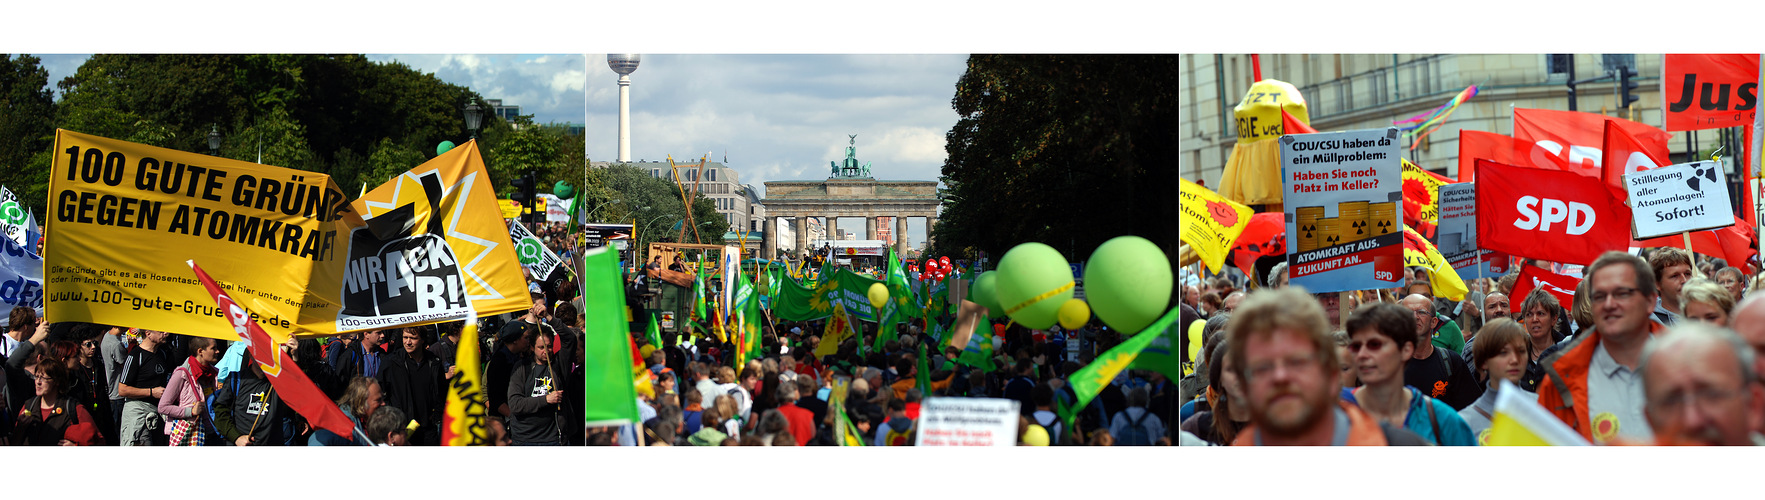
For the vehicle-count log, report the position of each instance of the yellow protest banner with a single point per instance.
(1210, 223)
(432, 242)
(511, 208)
(126, 216)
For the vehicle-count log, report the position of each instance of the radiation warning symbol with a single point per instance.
(1360, 229)
(1331, 240)
(1384, 227)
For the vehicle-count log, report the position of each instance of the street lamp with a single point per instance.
(214, 140)
(474, 116)
(598, 207)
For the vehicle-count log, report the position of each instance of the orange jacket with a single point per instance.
(1566, 373)
(1362, 429)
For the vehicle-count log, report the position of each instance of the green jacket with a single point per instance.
(1447, 335)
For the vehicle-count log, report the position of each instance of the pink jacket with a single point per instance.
(179, 393)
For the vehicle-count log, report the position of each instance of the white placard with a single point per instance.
(1678, 198)
(967, 422)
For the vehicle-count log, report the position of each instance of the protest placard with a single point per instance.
(1678, 198)
(967, 422)
(1343, 209)
(1457, 234)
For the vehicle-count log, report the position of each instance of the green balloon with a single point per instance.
(985, 294)
(444, 147)
(1034, 281)
(1128, 283)
(563, 190)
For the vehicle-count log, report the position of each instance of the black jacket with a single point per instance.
(534, 420)
(419, 387)
(248, 404)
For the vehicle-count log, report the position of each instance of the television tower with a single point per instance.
(624, 64)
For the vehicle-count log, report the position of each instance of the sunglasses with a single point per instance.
(1370, 344)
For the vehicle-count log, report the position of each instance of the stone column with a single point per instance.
(900, 233)
(801, 223)
(870, 227)
(930, 222)
(833, 227)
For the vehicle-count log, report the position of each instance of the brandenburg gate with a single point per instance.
(850, 192)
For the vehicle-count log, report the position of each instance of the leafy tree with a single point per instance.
(655, 207)
(27, 128)
(526, 149)
(1068, 150)
(387, 160)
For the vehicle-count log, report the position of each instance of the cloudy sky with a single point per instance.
(776, 117)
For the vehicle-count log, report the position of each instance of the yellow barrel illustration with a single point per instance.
(1308, 227)
(1354, 221)
(1329, 232)
(1384, 217)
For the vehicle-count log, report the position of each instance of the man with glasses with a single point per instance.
(1439, 372)
(1733, 281)
(1283, 352)
(1701, 387)
(1592, 382)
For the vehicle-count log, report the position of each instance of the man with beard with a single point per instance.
(1283, 353)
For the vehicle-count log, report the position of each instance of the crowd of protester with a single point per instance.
(1647, 352)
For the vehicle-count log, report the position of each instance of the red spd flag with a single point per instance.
(1624, 155)
(1548, 214)
(1574, 138)
(1532, 277)
(291, 384)
(1705, 91)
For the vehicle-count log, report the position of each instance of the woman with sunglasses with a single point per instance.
(1382, 338)
(1503, 355)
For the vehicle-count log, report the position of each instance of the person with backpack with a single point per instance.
(1382, 338)
(1044, 416)
(186, 392)
(1440, 372)
(1135, 425)
(898, 430)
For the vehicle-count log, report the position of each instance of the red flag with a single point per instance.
(1534, 277)
(1292, 125)
(1625, 155)
(1477, 145)
(291, 384)
(1576, 138)
(1548, 214)
(1705, 91)
(1266, 235)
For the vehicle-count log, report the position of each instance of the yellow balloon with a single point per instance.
(1074, 314)
(878, 295)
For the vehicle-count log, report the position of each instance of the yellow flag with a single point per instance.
(1520, 421)
(837, 332)
(1441, 276)
(464, 424)
(1422, 188)
(1210, 223)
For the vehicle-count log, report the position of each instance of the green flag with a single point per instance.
(979, 351)
(655, 332)
(1088, 381)
(747, 308)
(699, 290)
(1161, 355)
(609, 396)
(924, 379)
